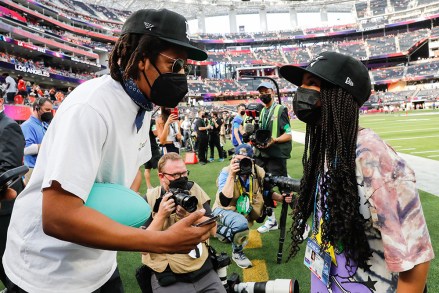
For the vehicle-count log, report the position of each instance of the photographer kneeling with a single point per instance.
(173, 200)
(240, 201)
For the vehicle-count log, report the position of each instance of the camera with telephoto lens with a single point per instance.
(233, 284)
(182, 198)
(285, 184)
(272, 286)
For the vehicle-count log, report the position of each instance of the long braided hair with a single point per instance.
(129, 50)
(329, 161)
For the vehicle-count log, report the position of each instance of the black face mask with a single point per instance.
(168, 89)
(266, 98)
(242, 113)
(305, 106)
(181, 183)
(46, 117)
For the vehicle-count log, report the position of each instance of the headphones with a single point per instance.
(39, 103)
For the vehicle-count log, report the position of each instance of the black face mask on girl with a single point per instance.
(168, 89)
(305, 106)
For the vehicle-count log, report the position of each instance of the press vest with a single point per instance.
(257, 198)
(179, 263)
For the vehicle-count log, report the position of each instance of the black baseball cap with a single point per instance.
(338, 69)
(165, 25)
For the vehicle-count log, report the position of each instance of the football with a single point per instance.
(119, 203)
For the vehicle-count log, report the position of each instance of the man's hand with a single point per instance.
(267, 145)
(181, 212)
(288, 198)
(234, 165)
(205, 218)
(167, 206)
(182, 237)
(8, 194)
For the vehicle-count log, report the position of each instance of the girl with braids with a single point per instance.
(367, 221)
(100, 134)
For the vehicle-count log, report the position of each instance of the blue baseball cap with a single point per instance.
(266, 84)
(244, 149)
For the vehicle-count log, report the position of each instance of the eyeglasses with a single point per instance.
(177, 175)
(178, 65)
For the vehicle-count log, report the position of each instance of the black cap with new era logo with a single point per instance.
(338, 69)
(165, 25)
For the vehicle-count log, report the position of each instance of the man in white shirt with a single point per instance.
(10, 89)
(100, 134)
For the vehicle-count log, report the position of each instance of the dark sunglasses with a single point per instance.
(178, 65)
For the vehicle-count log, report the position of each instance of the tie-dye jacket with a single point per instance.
(399, 236)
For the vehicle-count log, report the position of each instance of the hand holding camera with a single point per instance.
(265, 145)
(234, 165)
(166, 207)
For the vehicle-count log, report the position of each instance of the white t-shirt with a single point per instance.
(93, 138)
(12, 84)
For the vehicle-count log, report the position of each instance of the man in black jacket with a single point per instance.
(11, 156)
(214, 137)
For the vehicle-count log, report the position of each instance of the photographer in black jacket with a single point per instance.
(214, 137)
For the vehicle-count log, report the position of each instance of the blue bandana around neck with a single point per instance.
(139, 99)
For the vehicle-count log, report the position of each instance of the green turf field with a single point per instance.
(415, 134)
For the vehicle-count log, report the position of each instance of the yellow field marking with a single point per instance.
(254, 240)
(257, 273)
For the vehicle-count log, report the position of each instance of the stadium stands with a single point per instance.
(296, 46)
(382, 45)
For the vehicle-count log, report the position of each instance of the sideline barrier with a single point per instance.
(18, 112)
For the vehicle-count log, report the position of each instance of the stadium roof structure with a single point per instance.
(193, 8)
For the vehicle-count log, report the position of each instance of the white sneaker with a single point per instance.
(269, 225)
(241, 260)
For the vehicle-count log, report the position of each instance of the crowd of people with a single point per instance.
(366, 217)
(22, 92)
(31, 64)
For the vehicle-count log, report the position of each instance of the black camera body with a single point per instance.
(182, 198)
(245, 166)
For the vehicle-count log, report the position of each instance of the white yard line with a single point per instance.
(424, 152)
(409, 138)
(409, 130)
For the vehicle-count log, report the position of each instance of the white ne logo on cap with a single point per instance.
(148, 26)
(349, 81)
